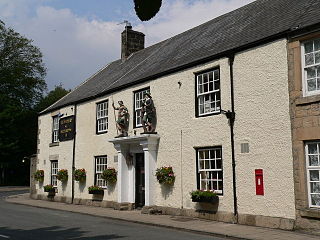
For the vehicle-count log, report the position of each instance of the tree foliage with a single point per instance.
(147, 9)
(51, 98)
(22, 83)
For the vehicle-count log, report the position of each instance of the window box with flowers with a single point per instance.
(50, 190)
(95, 190)
(62, 175)
(165, 175)
(110, 175)
(207, 196)
(80, 175)
(39, 175)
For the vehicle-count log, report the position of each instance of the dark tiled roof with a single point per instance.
(254, 22)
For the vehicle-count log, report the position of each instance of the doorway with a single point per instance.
(140, 181)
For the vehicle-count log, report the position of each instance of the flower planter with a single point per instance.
(100, 192)
(203, 199)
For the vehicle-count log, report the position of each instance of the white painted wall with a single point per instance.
(262, 108)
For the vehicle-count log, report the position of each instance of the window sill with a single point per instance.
(99, 133)
(54, 144)
(310, 213)
(308, 100)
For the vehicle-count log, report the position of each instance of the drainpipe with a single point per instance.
(73, 152)
(231, 116)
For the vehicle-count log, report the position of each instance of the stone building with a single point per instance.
(237, 111)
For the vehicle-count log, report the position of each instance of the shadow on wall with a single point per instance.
(111, 188)
(51, 233)
(82, 186)
(166, 190)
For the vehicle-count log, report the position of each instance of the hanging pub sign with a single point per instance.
(66, 128)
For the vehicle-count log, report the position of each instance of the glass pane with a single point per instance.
(311, 72)
(308, 47)
(211, 86)
(205, 78)
(214, 186)
(317, 45)
(309, 59)
(311, 84)
(315, 199)
(200, 79)
(213, 164)
(313, 160)
(200, 89)
(201, 165)
(317, 57)
(312, 148)
(201, 155)
(205, 87)
(219, 164)
(318, 83)
(315, 187)
(220, 175)
(216, 74)
(216, 85)
(314, 175)
(201, 109)
(211, 76)
(206, 164)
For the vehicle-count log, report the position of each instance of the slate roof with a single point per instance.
(259, 20)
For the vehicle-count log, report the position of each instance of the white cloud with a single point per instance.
(75, 47)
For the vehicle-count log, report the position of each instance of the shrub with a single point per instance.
(95, 190)
(39, 175)
(80, 175)
(110, 175)
(48, 188)
(204, 196)
(62, 175)
(165, 175)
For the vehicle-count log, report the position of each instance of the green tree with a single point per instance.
(22, 84)
(51, 98)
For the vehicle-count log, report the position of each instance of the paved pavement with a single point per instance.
(194, 225)
(19, 222)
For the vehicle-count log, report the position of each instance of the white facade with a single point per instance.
(262, 121)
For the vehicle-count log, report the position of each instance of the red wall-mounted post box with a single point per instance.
(259, 182)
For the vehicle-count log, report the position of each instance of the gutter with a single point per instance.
(73, 152)
(231, 116)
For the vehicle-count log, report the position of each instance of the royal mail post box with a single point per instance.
(259, 182)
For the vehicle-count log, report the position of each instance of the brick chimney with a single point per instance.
(131, 41)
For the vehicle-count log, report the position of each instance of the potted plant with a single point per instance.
(39, 175)
(62, 175)
(110, 175)
(95, 190)
(50, 190)
(80, 175)
(208, 196)
(165, 175)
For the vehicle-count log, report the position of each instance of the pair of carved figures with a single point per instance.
(148, 114)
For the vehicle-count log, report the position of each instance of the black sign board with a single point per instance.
(66, 128)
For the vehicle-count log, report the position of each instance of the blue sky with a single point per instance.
(79, 37)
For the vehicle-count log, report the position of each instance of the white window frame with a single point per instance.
(212, 93)
(54, 171)
(138, 97)
(55, 128)
(102, 116)
(212, 170)
(101, 163)
(312, 168)
(305, 67)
